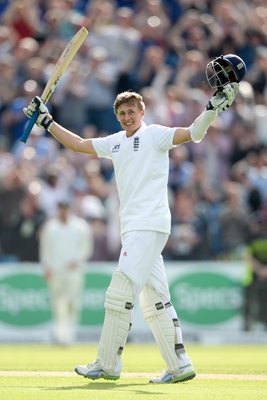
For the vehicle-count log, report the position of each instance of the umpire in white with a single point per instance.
(65, 245)
(140, 155)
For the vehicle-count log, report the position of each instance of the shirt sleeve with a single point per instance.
(105, 145)
(162, 137)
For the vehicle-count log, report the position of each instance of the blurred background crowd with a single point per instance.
(217, 189)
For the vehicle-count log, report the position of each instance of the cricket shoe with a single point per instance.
(94, 371)
(184, 374)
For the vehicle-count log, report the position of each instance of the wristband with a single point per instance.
(47, 121)
(50, 125)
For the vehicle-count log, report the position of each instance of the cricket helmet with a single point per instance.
(225, 69)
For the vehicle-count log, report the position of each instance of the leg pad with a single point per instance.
(118, 305)
(161, 325)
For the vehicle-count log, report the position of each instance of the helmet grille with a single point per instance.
(219, 72)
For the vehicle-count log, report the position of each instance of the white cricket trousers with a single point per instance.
(65, 292)
(141, 260)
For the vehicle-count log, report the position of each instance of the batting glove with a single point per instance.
(44, 118)
(223, 98)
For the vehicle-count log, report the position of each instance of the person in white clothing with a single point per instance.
(140, 155)
(65, 245)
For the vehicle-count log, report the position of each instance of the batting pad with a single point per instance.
(161, 326)
(118, 305)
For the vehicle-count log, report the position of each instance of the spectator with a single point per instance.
(12, 119)
(181, 169)
(185, 238)
(255, 288)
(52, 189)
(121, 40)
(234, 223)
(27, 229)
(258, 75)
(153, 70)
(44, 150)
(215, 155)
(73, 90)
(22, 16)
(26, 49)
(100, 83)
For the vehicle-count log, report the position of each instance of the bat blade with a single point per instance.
(59, 69)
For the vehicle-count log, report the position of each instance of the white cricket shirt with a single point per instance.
(61, 244)
(141, 166)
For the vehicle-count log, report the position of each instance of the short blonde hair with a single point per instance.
(128, 97)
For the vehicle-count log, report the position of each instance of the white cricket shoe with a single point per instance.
(185, 373)
(94, 371)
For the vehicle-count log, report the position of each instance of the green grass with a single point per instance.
(238, 360)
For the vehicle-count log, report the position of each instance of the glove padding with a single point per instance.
(44, 118)
(223, 98)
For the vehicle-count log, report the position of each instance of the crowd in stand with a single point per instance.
(159, 48)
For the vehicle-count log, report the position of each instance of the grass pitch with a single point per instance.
(44, 372)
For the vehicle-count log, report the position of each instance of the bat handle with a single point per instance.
(29, 127)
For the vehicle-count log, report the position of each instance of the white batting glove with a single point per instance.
(44, 118)
(223, 98)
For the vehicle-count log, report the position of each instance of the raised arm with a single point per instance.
(67, 138)
(71, 140)
(220, 101)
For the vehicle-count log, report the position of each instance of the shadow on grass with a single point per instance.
(106, 386)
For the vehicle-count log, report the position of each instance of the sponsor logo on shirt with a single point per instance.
(136, 143)
(115, 148)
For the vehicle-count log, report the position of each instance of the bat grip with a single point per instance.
(29, 127)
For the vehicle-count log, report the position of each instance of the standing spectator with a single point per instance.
(44, 149)
(27, 228)
(26, 49)
(153, 70)
(100, 85)
(215, 154)
(52, 189)
(181, 170)
(22, 16)
(8, 86)
(258, 75)
(121, 40)
(256, 279)
(65, 245)
(72, 89)
(12, 190)
(184, 242)
(12, 119)
(153, 22)
(234, 222)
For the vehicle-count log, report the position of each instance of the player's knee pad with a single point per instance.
(118, 305)
(161, 324)
(119, 295)
(151, 303)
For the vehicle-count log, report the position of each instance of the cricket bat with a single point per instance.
(59, 69)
